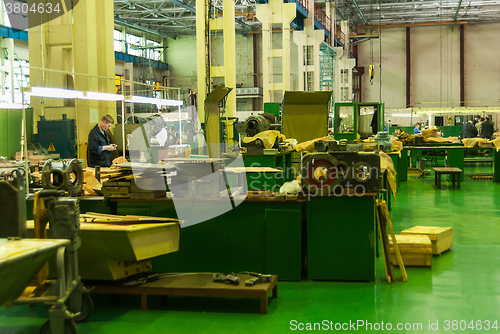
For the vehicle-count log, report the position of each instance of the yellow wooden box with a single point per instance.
(441, 237)
(416, 250)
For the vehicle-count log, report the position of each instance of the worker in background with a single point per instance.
(99, 147)
(476, 120)
(468, 130)
(417, 131)
(487, 129)
(478, 126)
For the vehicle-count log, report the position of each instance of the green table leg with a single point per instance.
(403, 166)
(456, 159)
(496, 165)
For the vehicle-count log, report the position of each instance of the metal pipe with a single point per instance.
(127, 24)
(365, 21)
(458, 8)
(102, 77)
(123, 126)
(408, 68)
(462, 66)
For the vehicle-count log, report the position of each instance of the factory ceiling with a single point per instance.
(177, 17)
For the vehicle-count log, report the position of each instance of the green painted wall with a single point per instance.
(10, 131)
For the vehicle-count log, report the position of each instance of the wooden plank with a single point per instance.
(396, 248)
(386, 265)
(385, 242)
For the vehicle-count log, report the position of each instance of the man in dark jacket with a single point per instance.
(468, 130)
(99, 149)
(487, 129)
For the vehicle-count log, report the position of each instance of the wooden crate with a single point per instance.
(441, 237)
(416, 250)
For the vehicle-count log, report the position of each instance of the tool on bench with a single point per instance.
(230, 278)
(258, 278)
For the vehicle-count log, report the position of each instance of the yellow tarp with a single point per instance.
(442, 140)
(476, 142)
(387, 164)
(267, 137)
(430, 133)
(308, 146)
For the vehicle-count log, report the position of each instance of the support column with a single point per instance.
(274, 13)
(313, 38)
(77, 42)
(230, 62)
(202, 55)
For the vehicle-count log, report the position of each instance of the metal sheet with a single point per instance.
(20, 261)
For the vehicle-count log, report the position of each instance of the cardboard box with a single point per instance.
(441, 237)
(416, 250)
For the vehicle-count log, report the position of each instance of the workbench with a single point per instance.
(266, 236)
(455, 156)
(198, 285)
(262, 236)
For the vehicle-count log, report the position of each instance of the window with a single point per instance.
(118, 41)
(308, 55)
(345, 122)
(344, 76)
(133, 43)
(308, 81)
(344, 93)
(153, 53)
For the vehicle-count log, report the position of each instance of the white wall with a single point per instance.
(482, 64)
(392, 74)
(435, 66)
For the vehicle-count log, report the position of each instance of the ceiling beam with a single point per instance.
(363, 18)
(437, 23)
(124, 23)
(458, 8)
(183, 5)
(191, 9)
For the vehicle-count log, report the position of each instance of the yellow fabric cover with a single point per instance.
(387, 164)
(428, 133)
(308, 146)
(442, 140)
(473, 142)
(305, 122)
(268, 138)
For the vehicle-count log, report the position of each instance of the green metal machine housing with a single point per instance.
(347, 116)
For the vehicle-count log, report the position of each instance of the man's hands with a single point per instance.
(110, 147)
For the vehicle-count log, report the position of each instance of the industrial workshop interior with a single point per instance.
(243, 166)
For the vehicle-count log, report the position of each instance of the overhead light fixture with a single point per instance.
(151, 100)
(103, 96)
(5, 105)
(56, 93)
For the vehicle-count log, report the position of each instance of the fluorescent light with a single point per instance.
(151, 100)
(103, 96)
(4, 105)
(56, 93)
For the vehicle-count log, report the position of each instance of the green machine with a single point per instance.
(352, 119)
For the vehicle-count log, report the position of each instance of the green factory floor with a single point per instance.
(463, 284)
